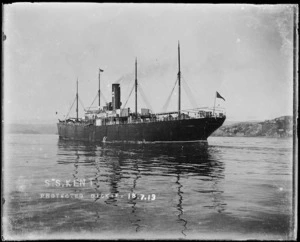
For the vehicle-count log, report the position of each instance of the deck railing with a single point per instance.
(158, 117)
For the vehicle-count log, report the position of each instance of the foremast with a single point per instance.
(77, 101)
(179, 83)
(136, 84)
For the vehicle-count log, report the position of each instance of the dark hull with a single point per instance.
(165, 131)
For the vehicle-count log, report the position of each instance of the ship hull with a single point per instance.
(164, 131)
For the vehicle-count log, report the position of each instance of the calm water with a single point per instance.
(227, 188)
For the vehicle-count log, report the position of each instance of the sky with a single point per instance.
(243, 51)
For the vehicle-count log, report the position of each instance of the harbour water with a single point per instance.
(226, 188)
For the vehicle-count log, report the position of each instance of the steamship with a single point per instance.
(112, 123)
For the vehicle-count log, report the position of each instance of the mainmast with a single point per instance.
(99, 88)
(136, 84)
(77, 101)
(179, 82)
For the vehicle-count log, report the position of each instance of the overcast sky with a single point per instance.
(242, 51)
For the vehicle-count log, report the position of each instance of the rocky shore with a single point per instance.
(278, 127)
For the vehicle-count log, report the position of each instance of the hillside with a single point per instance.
(30, 128)
(278, 127)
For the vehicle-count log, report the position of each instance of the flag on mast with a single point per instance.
(219, 96)
(100, 70)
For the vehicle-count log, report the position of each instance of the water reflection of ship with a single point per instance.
(198, 159)
(122, 161)
(91, 155)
